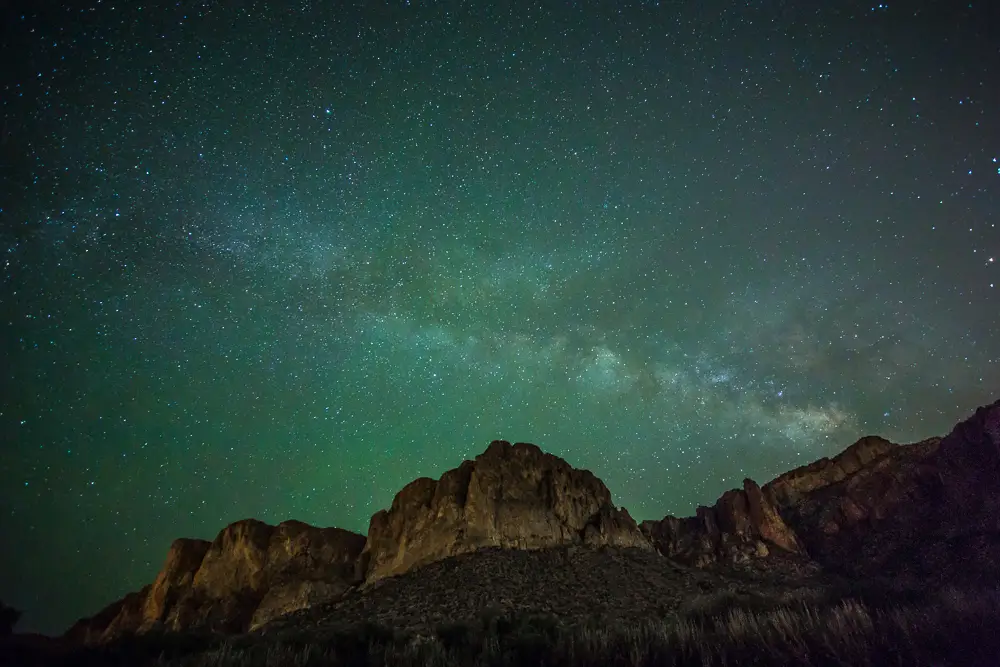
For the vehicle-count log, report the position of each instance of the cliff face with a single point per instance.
(751, 523)
(251, 573)
(512, 496)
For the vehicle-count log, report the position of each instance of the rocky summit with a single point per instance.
(512, 496)
(906, 515)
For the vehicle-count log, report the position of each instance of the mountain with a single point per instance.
(526, 521)
(511, 496)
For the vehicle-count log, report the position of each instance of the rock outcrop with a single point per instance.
(919, 514)
(743, 524)
(831, 505)
(752, 523)
(909, 512)
(251, 573)
(512, 496)
(174, 581)
(118, 619)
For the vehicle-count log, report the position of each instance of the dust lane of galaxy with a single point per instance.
(279, 259)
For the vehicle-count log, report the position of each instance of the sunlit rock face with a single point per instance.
(512, 496)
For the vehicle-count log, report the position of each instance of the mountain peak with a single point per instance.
(512, 496)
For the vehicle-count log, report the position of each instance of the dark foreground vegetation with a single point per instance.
(950, 628)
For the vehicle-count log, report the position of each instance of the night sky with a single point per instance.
(278, 259)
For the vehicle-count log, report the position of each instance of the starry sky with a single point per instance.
(278, 259)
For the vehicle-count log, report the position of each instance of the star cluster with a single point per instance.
(279, 259)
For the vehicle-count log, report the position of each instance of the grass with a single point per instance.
(953, 628)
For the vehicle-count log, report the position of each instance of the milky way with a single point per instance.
(279, 259)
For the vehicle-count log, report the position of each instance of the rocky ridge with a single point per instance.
(742, 525)
(249, 574)
(876, 509)
(510, 496)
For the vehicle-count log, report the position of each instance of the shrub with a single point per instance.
(456, 636)
(953, 628)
